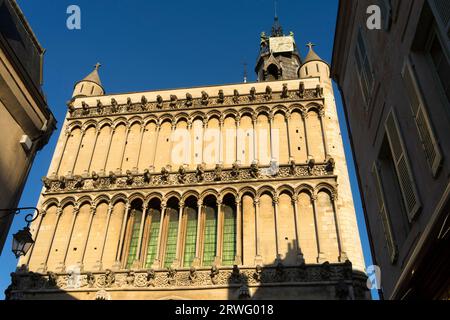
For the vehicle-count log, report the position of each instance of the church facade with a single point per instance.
(236, 191)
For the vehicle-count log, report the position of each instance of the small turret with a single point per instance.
(90, 85)
(314, 66)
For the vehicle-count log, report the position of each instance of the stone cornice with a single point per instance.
(185, 104)
(187, 178)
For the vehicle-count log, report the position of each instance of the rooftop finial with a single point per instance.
(277, 31)
(275, 4)
(97, 66)
(310, 45)
(245, 71)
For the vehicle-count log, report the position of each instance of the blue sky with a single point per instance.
(146, 45)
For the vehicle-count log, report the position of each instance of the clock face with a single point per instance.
(281, 44)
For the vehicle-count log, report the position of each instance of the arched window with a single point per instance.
(190, 240)
(272, 72)
(152, 231)
(133, 228)
(209, 231)
(229, 231)
(172, 231)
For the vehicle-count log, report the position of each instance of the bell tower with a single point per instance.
(278, 57)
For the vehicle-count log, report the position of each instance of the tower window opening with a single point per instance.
(272, 72)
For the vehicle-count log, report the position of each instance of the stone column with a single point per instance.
(238, 124)
(342, 253)
(158, 129)
(66, 138)
(124, 146)
(117, 264)
(91, 217)
(238, 258)
(109, 148)
(97, 133)
(177, 261)
(305, 118)
(157, 262)
(258, 257)
(141, 230)
(287, 119)
(197, 261)
(105, 234)
(300, 258)
(174, 127)
(271, 117)
(254, 119)
(277, 240)
(58, 217)
(205, 126)
(321, 258)
(76, 210)
(324, 134)
(140, 146)
(221, 124)
(83, 132)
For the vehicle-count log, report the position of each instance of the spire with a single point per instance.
(90, 85)
(94, 76)
(312, 55)
(277, 30)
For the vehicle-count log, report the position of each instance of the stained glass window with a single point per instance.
(136, 220)
(153, 237)
(229, 236)
(191, 237)
(172, 232)
(209, 236)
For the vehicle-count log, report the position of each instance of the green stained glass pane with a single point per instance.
(153, 238)
(191, 237)
(171, 243)
(209, 236)
(229, 236)
(134, 238)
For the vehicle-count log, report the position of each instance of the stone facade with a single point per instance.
(396, 94)
(261, 208)
(24, 114)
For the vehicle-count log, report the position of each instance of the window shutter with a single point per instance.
(426, 132)
(384, 215)
(442, 10)
(403, 169)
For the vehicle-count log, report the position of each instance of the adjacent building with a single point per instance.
(236, 191)
(395, 84)
(25, 118)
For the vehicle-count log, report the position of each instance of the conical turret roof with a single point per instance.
(312, 55)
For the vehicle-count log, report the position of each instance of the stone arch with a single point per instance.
(101, 198)
(286, 189)
(120, 121)
(50, 202)
(230, 113)
(166, 117)
(190, 193)
(229, 190)
(68, 200)
(136, 196)
(314, 106)
(154, 195)
(247, 111)
(134, 120)
(280, 109)
(84, 199)
(305, 188)
(214, 114)
(324, 186)
(198, 115)
(263, 110)
(296, 107)
(104, 122)
(181, 116)
(248, 190)
(266, 190)
(209, 192)
(90, 123)
(172, 194)
(74, 125)
(119, 197)
(150, 118)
